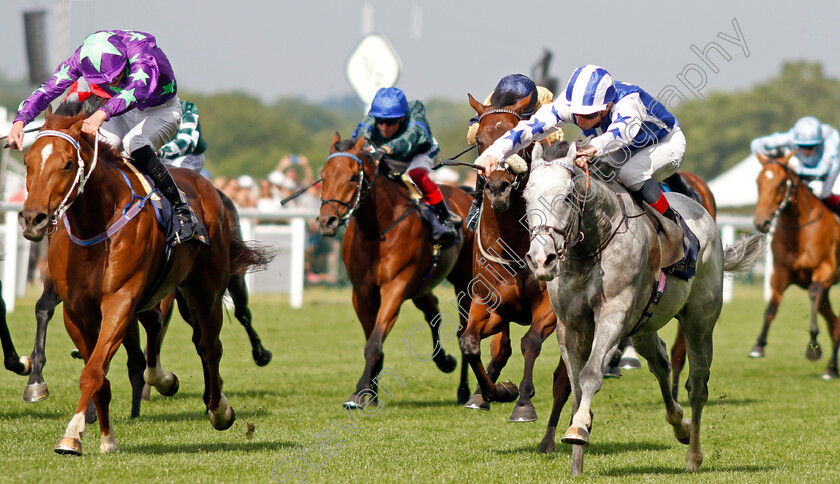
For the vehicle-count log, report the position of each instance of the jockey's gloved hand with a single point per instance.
(378, 154)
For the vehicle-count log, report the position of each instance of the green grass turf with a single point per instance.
(769, 420)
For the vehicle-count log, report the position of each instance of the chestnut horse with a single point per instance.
(388, 253)
(111, 276)
(806, 248)
(508, 292)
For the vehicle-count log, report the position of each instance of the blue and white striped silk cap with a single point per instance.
(589, 90)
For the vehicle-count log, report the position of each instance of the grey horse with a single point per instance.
(602, 257)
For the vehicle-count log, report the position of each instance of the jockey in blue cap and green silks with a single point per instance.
(630, 129)
(142, 114)
(396, 130)
(816, 159)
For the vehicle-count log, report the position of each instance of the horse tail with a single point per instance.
(247, 256)
(742, 255)
(244, 257)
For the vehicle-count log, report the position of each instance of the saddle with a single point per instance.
(427, 213)
(165, 215)
(678, 244)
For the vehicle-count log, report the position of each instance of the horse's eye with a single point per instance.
(354, 179)
(68, 166)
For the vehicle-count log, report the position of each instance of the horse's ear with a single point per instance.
(785, 159)
(523, 103)
(537, 151)
(762, 158)
(360, 144)
(334, 142)
(479, 108)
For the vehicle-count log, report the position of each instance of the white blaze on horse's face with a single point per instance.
(549, 212)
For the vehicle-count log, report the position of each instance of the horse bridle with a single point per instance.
(789, 191)
(78, 182)
(517, 177)
(357, 196)
(574, 217)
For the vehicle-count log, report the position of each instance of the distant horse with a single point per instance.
(508, 291)
(806, 249)
(105, 285)
(389, 257)
(602, 257)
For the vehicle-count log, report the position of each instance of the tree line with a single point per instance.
(247, 136)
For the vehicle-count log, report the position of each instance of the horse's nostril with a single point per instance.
(550, 258)
(40, 219)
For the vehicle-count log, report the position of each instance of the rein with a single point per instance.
(576, 213)
(78, 182)
(351, 209)
(787, 199)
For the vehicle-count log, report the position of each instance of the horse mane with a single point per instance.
(67, 113)
(501, 99)
(556, 151)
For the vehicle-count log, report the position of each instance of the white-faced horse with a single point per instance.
(602, 254)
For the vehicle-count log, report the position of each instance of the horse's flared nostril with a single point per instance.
(550, 258)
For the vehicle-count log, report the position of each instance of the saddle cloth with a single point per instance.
(165, 215)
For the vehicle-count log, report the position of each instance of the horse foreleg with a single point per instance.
(11, 360)
(36, 389)
(239, 293)
(778, 282)
(834, 330)
(596, 353)
(391, 297)
(483, 322)
(561, 391)
(815, 292)
(541, 328)
(500, 351)
(699, 349)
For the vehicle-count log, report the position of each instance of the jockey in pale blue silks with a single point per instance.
(142, 114)
(631, 130)
(396, 130)
(816, 159)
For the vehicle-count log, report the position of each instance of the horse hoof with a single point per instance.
(757, 352)
(629, 363)
(507, 391)
(476, 402)
(35, 392)
(683, 432)
(355, 401)
(75, 353)
(463, 395)
(830, 375)
(546, 446)
(262, 356)
(224, 425)
(448, 364)
(576, 436)
(69, 446)
(523, 413)
(813, 353)
(612, 372)
(173, 388)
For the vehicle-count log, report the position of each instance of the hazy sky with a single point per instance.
(275, 48)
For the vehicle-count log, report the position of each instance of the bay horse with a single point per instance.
(806, 250)
(107, 283)
(508, 292)
(388, 253)
(601, 257)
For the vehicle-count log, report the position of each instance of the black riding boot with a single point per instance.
(475, 207)
(149, 163)
(449, 232)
